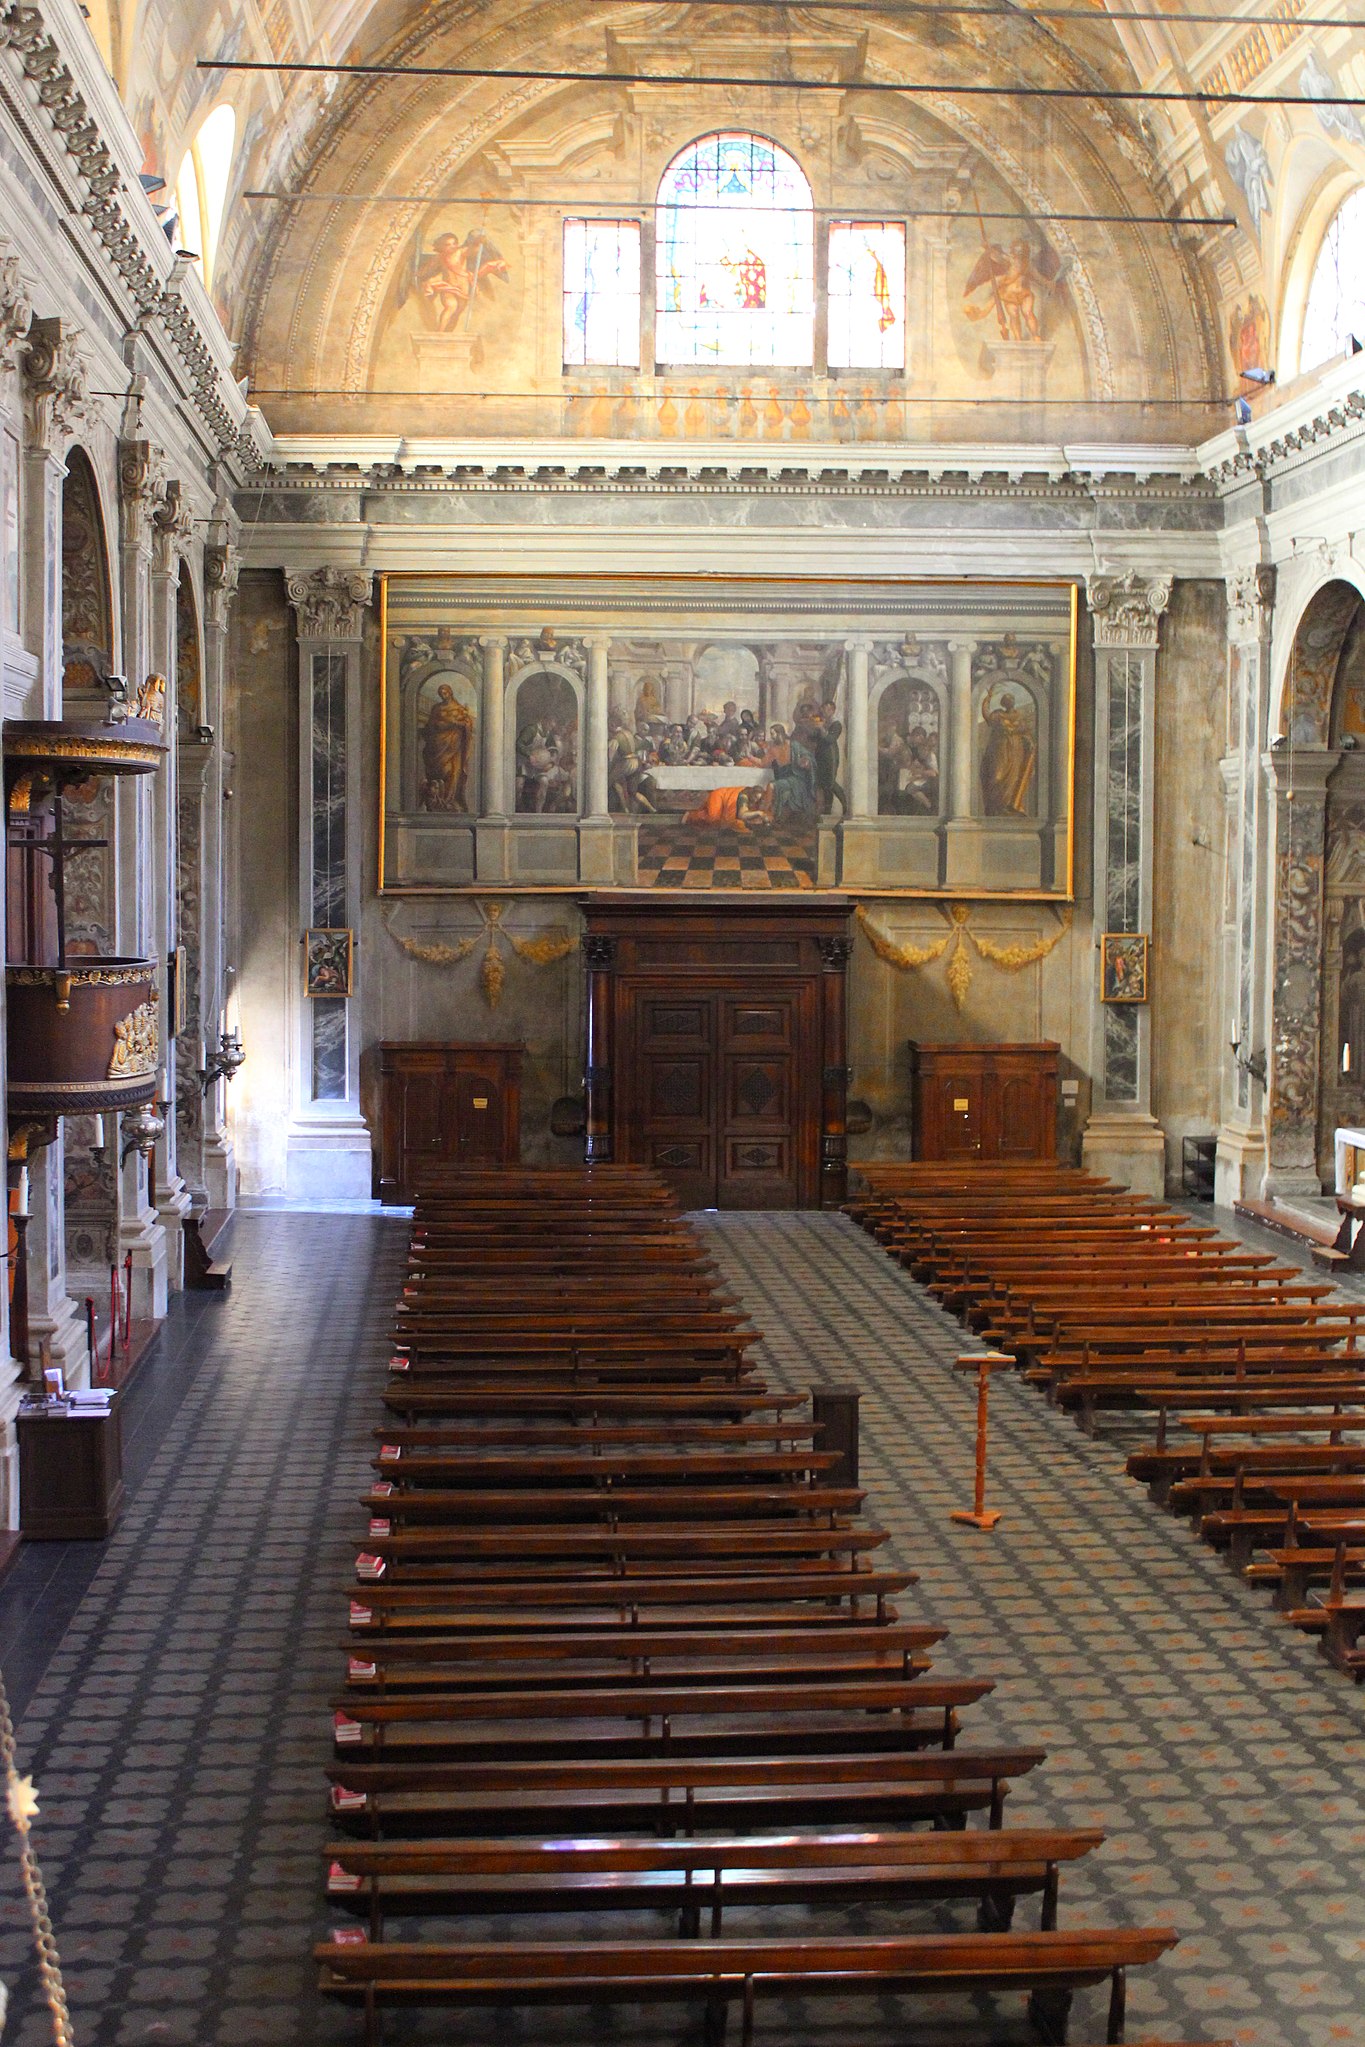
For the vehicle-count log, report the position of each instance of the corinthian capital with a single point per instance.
(330, 603)
(56, 373)
(1126, 610)
(1251, 599)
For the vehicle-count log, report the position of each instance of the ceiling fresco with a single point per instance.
(1143, 327)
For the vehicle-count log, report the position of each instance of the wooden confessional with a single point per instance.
(717, 1047)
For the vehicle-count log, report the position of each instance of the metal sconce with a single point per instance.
(1252, 1063)
(224, 1063)
(141, 1128)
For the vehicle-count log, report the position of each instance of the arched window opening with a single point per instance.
(735, 256)
(1336, 294)
(201, 188)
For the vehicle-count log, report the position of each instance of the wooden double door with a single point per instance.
(443, 1105)
(716, 1046)
(719, 1092)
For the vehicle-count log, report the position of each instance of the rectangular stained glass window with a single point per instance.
(602, 293)
(867, 295)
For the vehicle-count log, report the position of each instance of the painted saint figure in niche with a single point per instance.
(1016, 285)
(907, 751)
(1009, 755)
(547, 746)
(447, 751)
(447, 279)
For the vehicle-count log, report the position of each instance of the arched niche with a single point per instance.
(545, 739)
(1341, 1062)
(1011, 764)
(1319, 793)
(907, 731)
(87, 590)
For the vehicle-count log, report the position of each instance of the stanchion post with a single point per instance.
(834, 1410)
(983, 1363)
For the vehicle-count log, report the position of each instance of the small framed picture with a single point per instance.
(1123, 966)
(327, 961)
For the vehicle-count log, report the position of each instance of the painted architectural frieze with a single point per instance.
(750, 735)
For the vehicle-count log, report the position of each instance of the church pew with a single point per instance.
(1051, 1966)
(672, 1796)
(410, 1506)
(458, 1877)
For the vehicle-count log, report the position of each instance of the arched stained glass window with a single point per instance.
(1336, 294)
(735, 256)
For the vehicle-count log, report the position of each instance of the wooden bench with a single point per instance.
(1050, 1966)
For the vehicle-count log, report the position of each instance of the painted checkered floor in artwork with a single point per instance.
(179, 1725)
(700, 859)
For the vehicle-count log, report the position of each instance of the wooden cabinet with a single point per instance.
(70, 1474)
(445, 1105)
(984, 1101)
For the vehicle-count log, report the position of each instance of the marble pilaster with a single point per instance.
(329, 1143)
(1241, 1156)
(1296, 780)
(1122, 1138)
(596, 834)
(491, 847)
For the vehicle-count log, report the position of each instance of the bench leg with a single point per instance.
(995, 1913)
(717, 2010)
(1118, 2005)
(373, 2018)
(1050, 2011)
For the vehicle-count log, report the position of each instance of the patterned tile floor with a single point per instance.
(173, 1685)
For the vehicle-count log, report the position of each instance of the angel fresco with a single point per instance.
(1015, 285)
(447, 279)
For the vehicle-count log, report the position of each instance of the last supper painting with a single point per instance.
(700, 734)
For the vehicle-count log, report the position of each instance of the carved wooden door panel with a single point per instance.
(673, 1090)
(477, 1119)
(757, 1096)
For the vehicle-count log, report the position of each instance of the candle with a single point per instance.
(163, 1085)
(23, 1191)
(203, 1055)
(97, 1143)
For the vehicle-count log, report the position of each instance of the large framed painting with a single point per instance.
(716, 734)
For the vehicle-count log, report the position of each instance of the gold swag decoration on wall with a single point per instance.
(542, 950)
(1010, 957)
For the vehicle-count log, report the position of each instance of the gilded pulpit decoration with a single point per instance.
(136, 1043)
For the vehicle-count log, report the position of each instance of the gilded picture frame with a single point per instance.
(871, 736)
(1124, 959)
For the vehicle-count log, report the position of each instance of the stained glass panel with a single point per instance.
(735, 255)
(867, 295)
(1336, 296)
(602, 293)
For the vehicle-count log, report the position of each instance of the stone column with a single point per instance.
(1296, 779)
(961, 833)
(859, 771)
(596, 832)
(55, 378)
(1241, 1155)
(328, 1148)
(173, 531)
(491, 835)
(15, 314)
(1122, 1137)
(53, 388)
(208, 965)
(142, 850)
